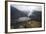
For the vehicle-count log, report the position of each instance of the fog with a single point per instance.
(21, 13)
(27, 9)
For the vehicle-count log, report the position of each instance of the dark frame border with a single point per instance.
(6, 16)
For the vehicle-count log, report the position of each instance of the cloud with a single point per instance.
(27, 9)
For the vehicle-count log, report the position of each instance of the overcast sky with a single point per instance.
(29, 9)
